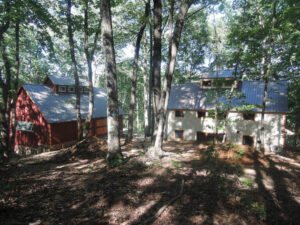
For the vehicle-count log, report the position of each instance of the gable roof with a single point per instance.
(221, 74)
(67, 81)
(190, 96)
(61, 107)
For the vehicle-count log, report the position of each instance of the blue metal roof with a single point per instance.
(221, 74)
(61, 107)
(190, 96)
(67, 81)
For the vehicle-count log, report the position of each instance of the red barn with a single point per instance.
(46, 115)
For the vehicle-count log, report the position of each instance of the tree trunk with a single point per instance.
(135, 70)
(146, 93)
(156, 151)
(266, 79)
(151, 79)
(89, 58)
(157, 61)
(74, 64)
(114, 150)
(16, 85)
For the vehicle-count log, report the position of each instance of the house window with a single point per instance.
(201, 137)
(200, 114)
(210, 114)
(220, 138)
(179, 134)
(24, 126)
(62, 89)
(81, 89)
(248, 140)
(249, 116)
(71, 89)
(206, 83)
(179, 113)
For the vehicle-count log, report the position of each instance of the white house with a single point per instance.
(190, 115)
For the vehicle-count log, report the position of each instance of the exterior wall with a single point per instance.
(235, 129)
(27, 111)
(63, 132)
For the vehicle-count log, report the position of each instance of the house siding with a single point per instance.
(26, 110)
(236, 128)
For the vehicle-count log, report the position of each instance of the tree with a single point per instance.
(114, 151)
(75, 71)
(156, 150)
(135, 70)
(89, 54)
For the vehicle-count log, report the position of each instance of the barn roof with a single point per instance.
(61, 107)
(67, 81)
(190, 96)
(221, 74)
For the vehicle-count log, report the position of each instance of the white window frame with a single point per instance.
(24, 126)
(62, 89)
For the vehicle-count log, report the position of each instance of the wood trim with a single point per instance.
(179, 139)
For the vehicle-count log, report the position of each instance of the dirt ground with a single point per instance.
(193, 184)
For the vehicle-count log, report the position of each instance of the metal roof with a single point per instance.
(221, 74)
(67, 81)
(61, 107)
(190, 96)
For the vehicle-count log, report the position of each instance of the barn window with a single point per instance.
(248, 140)
(62, 89)
(200, 114)
(179, 134)
(206, 83)
(71, 89)
(249, 116)
(25, 126)
(179, 113)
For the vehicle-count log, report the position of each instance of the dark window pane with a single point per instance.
(178, 113)
(248, 140)
(248, 116)
(222, 115)
(201, 137)
(200, 114)
(206, 83)
(179, 134)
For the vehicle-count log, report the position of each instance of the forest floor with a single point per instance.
(197, 184)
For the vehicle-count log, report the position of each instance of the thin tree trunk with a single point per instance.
(135, 70)
(267, 78)
(114, 150)
(74, 64)
(151, 79)
(157, 60)
(16, 84)
(6, 93)
(156, 151)
(146, 92)
(89, 58)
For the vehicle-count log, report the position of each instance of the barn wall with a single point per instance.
(274, 128)
(27, 111)
(63, 132)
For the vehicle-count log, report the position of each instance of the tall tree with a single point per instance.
(135, 70)
(114, 150)
(156, 150)
(89, 55)
(157, 60)
(75, 71)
